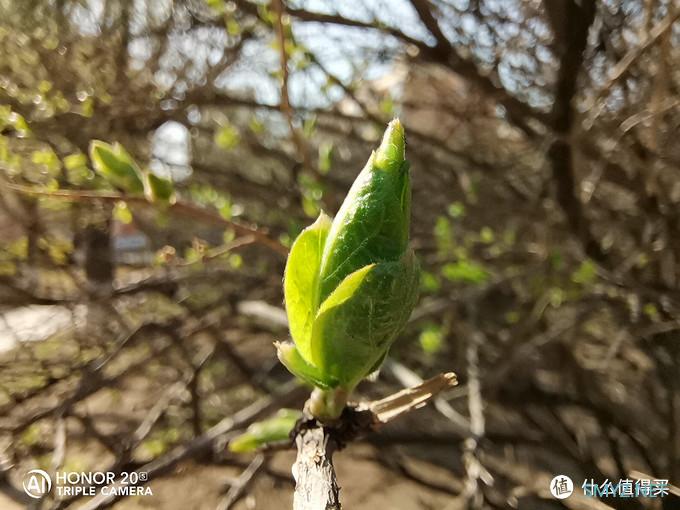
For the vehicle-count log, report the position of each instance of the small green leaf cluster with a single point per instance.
(120, 170)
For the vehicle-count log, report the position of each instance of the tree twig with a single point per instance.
(286, 107)
(242, 483)
(408, 377)
(406, 400)
(180, 207)
(622, 67)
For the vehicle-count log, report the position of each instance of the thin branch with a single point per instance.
(242, 483)
(473, 466)
(408, 377)
(286, 107)
(516, 108)
(162, 404)
(59, 453)
(622, 67)
(424, 10)
(579, 18)
(408, 399)
(181, 207)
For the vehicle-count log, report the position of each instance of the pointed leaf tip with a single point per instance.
(391, 152)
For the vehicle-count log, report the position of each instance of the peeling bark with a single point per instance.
(316, 487)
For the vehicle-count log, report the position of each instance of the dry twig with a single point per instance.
(242, 483)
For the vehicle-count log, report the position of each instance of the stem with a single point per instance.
(327, 405)
(335, 424)
(316, 487)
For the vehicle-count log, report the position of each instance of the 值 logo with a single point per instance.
(561, 486)
(37, 483)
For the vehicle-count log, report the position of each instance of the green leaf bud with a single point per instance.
(158, 190)
(351, 283)
(116, 165)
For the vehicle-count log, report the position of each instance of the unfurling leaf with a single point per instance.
(120, 169)
(158, 190)
(116, 166)
(351, 283)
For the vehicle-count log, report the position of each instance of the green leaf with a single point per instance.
(74, 161)
(325, 157)
(216, 5)
(158, 190)
(122, 213)
(256, 125)
(309, 126)
(272, 430)
(116, 166)
(289, 355)
(512, 317)
(556, 296)
(19, 124)
(456, 210)
(357, 324)
(391, 153)
(585, 274)
(373, 222)
(48, 159)
(651, 311)
(227, 137)
(346, 289)
(233, 27)
(301, 282)
(465, 271)
(431, 339)
(235, 261)
(429, 282)
(443, 235)
(486, 235)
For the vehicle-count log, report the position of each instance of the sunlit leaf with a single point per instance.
(325, 157)
(116, 165)
(272, 430)
(429, 282)
(227, 137)
(301, 282)
(585, 274)
(122, 213)
(456, 210)
(431, 339)
(465, 271)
